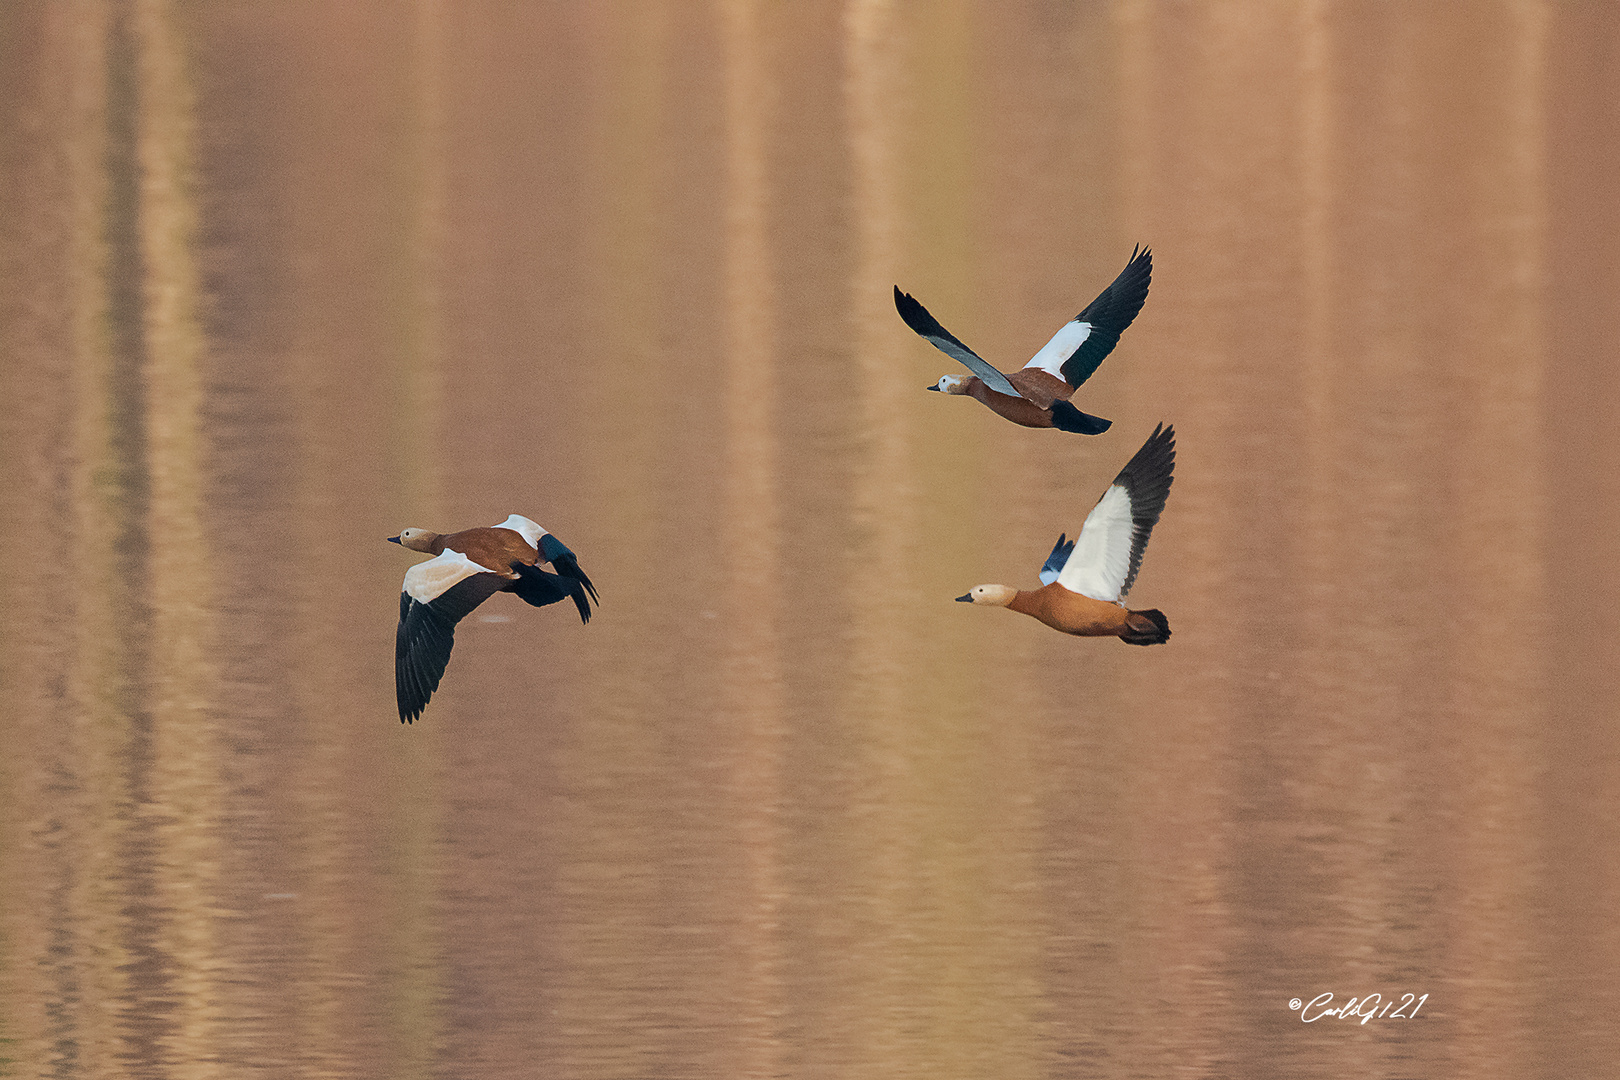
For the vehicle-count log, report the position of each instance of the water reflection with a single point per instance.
(283, 279)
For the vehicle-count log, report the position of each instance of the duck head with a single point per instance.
(415, 539)
(998, 595)
(952, 384)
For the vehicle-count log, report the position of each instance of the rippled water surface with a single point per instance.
(277, 280)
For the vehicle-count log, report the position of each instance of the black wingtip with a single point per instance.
(1066, 417)
(914, 315)
(1138, 272)
(1150, 472)
(1147, 477)
(1159, 445)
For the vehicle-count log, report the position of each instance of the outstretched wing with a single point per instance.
(438, 594)
(1108, 552)
(1081, 344)
(1055, 561)
(917, 317)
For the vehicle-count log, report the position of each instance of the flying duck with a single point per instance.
(1084, 581)
(468, 568)
(1038, 395)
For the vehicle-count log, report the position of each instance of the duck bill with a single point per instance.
(394, 540)
(931, 386)
(965, 598)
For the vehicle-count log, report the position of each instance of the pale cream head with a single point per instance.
(417, 539)
(998, 595)
(952, 384)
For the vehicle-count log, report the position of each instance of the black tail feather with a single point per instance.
(568, 566)
(1066, 417)
(584, 605)
(563, 561)
(1148, 627)
(541, 588)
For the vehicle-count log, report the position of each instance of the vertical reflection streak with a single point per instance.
(61, 789)
(642, 495)
(884, 515)
(1181, 919)
(102, 661)
(415, 970)
(420, 329)
(185, 792)
(1500, 675)
(142, 1025)
(753, 679)
(1365, 879)
(1578, 830)
(101, 664)
(1316, 199)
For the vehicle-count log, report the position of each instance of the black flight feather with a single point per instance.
(1109, 315)
(1146, 479)
(427, 633)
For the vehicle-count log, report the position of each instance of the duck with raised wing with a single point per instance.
(1038, 394)
(1085, 580)
(468, 568)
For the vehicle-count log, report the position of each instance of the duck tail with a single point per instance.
(1066, 417)
(536, 586)
(1145, 628)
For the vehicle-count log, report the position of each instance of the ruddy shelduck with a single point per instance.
(468, 568)
(1085, 580)
(1038, 395)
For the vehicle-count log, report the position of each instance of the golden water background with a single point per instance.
(277, 280)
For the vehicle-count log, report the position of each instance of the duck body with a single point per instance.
(467, 568)
(1070, 612)
(495, 548)
(1083, 616)
(1022, 410)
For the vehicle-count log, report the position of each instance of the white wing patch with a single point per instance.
(427, 581)
(1102, 556)
(524, 528)
(1055, 353)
